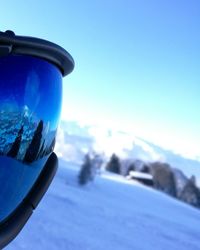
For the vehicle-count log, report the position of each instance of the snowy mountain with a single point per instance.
(74, 140)
(111, 213)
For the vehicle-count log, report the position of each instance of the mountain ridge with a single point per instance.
(75, 140)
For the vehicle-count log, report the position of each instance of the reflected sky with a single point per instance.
(32, 86)
(16, 180)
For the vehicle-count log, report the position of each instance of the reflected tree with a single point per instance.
(33, 149)
(16, 145)
(51, 146)
(41, 151)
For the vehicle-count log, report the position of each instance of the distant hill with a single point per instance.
(74, 140)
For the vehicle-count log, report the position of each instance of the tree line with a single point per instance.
(165, 178)
(36, 149)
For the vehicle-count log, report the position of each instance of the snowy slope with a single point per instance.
(111, 213)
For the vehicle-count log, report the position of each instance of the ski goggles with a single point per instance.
(31, 72)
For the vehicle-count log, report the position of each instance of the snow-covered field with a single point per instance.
(110, 214)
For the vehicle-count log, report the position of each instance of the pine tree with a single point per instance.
(191, 193)
(85, 174)
(13, 152)
(33, 149)
(114, 164)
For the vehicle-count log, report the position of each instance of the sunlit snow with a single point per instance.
(110, 213)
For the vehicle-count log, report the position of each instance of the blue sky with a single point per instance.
(137, 62)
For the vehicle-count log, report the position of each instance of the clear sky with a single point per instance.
(137, 62)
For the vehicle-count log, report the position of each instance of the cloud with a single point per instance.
(148, 153)
(67, 151)
(124, 144)
(111, 141)
(32, 96)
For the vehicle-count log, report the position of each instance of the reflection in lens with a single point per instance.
(30, 103)
(16, 179)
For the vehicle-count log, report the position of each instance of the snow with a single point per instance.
(110, 213)
(140, 175)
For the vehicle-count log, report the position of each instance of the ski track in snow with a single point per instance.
(111, 213)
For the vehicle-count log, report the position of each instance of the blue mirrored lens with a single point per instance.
(30, 105)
